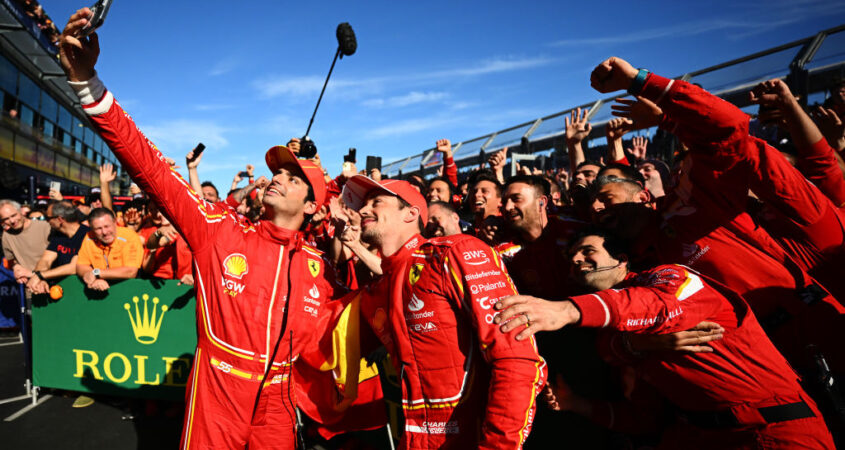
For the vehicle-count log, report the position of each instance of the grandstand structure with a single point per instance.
(44, 134)
(809, 65)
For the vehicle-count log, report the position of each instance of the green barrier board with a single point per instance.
(137, 339)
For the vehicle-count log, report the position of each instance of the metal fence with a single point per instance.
(809, 65)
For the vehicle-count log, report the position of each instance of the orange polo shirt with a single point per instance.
(125, 251)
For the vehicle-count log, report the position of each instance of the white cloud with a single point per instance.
(223, 66)
(774, 15)
(410, 98)
(183, 134)
(311, 85)
(408, 126)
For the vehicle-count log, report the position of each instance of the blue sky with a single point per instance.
(244, 78)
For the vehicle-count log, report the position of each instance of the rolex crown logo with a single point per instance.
(145, 328)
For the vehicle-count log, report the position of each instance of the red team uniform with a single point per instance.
(465, 384)
(259, 291)
(742, 395)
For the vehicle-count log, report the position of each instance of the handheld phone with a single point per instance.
(56, 186)
(373, 162)
(243, 174)
(350, 156)
(197, 151)
(99, 11)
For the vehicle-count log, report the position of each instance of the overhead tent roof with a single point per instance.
(822, 55)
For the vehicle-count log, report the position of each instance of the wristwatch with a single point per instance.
(37, 273)
(96, 273)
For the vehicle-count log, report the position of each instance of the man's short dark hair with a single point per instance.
(541, 185)
(403, 204)
(485, 175)
(444, 205)
(212, 186)
(632, 186)
(615, 246)
(99, 212)
(588, 162)
(629, 172)
(66, 210)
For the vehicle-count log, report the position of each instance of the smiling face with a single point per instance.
(11, 219)
(442, 222)
(522, 207)
(485, 199)
(104, 229)
(621, 208)
(381, 217)
(438, 191)
(288, 193)
(593, 266)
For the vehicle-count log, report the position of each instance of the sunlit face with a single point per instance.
(522, 206)
(210, 194)
(619, 209)
(381, 217)
(11, 219)
(55, 222)
(442, 222)
(593, 266)
(438, 191)
(485, 199)
(104, 229)
(586, 174)
(288, 191)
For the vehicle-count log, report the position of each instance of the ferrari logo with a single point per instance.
(314, 267)
(416, 271)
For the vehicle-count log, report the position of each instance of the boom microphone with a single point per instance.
(346, 45)
(346, 40)
(605, 268)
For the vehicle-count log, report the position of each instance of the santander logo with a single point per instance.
(415, 304)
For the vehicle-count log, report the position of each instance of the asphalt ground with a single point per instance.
(110, 423)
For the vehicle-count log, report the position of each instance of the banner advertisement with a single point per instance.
(137, 339)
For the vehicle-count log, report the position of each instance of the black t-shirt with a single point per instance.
(66, 247)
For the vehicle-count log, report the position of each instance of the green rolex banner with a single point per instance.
(137, 339)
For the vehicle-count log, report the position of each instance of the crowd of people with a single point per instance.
(688, 302)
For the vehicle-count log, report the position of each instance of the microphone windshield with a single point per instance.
(346, 39)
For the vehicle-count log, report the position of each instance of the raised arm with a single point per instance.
(577, 129)
(196, 219)
(107, 175)
(613, 131)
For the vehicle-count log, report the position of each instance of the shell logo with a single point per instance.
(235, 265)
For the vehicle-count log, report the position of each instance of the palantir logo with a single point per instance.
(145, 327)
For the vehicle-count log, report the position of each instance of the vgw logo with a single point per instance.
(145, 328)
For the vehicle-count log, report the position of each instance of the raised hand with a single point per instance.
(643, 113)
(638, 148)
(250, 170)
(107, 173)
(617, 127)
(78, 55)
(577, 126)
(774, 93)
(497, 160)
(192, 162)
(831, 126)
(444, 146)
(613, 74)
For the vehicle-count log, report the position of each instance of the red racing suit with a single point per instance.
(465, 384)
(706, 227)
(741, 395)
(260, 291)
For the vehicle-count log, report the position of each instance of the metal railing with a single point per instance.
(809, 65)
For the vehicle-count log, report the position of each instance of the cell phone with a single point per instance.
(373, 162)
(350, 156)
(243, 174)
(99, 11)
(197, 151)
(56, 186)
